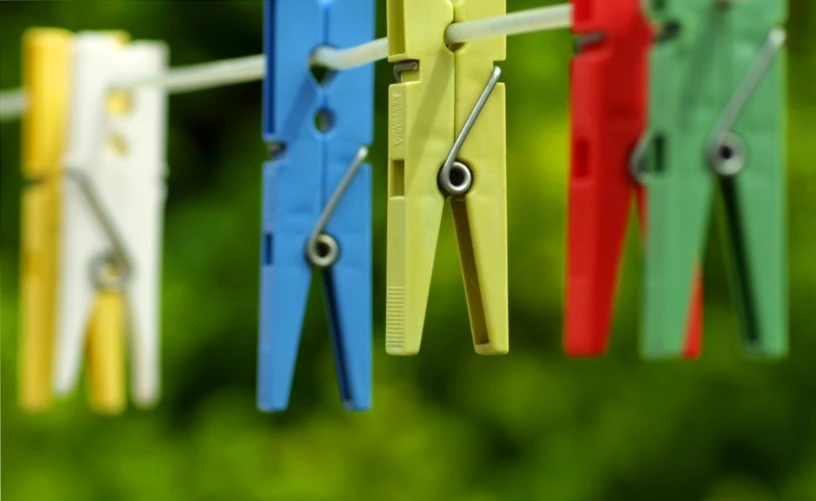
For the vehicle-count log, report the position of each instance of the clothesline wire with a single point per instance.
(12, 103)
(247, 69)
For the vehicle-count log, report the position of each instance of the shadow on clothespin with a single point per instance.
(446, 140)
(609, 103)
(717, 118)
(316, 195)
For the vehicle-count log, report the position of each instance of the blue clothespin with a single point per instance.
(316, 194)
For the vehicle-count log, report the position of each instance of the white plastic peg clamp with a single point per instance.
(112, 205)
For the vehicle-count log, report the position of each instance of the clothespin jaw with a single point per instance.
(609, 105)
(717, 118)
(316, 208)
(480, 216)
(46, 77)
(114, 193)
(430, 105)
(105, 352)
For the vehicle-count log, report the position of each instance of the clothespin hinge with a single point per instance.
(727, 152)
(322, 250)
(455, 178)
(110, 271)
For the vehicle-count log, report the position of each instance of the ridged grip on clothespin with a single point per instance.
(420, 132)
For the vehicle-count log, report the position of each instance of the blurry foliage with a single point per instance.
(446, 424)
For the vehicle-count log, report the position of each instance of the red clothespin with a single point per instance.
(609, 101)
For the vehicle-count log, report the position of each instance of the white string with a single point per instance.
(527, 21)
(12, 104)
(202, 76)
(346, 59)
(251, 68)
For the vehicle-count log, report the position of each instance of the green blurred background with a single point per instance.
(446, 424)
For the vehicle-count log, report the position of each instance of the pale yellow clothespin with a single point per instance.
(446, 140)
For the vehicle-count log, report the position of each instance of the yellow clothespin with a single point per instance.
(438, 149)
(46, 77)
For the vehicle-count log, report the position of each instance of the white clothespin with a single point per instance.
(112, 209)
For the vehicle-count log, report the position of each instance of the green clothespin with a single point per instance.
(717, 117)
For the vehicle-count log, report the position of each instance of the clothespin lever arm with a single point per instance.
(322, 250)
(727, 152)
(110, 271)
(455, 178)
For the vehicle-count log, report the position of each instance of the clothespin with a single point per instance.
(609, 101)
(46, 76)
(717, 118)
(316, 195)
(446, 140)
(113, 198)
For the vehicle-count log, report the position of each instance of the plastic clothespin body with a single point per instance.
(46, 74)
(114, 192)
(609, 101)
(708, 55)
(306, 167)
(427, 109)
